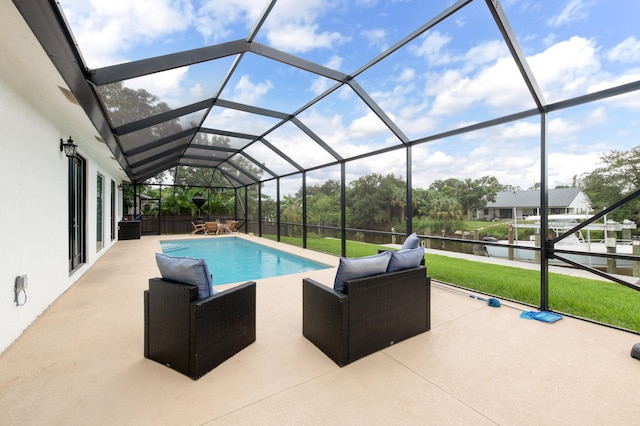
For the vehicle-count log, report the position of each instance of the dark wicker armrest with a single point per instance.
(166, 321)
(324, 319)
(242, 290)
(222, 325)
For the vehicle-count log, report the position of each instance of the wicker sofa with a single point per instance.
(194, 336)
(371, 314)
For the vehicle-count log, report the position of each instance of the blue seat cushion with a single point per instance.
(411, 242)
(360, 267)
(186, 270)
(405, 259)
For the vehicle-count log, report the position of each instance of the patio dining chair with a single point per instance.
(198, 228)
(232, 226)
(212, 228)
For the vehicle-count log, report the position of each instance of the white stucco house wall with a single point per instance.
(34, 178)
(520, 204)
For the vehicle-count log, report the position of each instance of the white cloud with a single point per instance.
(563, 166)
(566, 68)
(369, 3)
(563, 70)
(367, 125)
(416, 124)
(450, 93)
(163, 85)
(501, 87)
(238, 121)
(438, 159)
(574, 11)
(511, 153)
(597, 116)
(302, 38)
(385, 164)
(433, 49)
(364, 134)
(320, 85)
(329, 127)
(628, 51)
(215, 19)
(107, 30)
(521, 130)
(196, 92)
(430, 166)
(486, 52)
(407, 75)
(293, 26)
(248, 92)
(564, 130)
(376, 37)
(300, 148)
(498, 83)
(496, 152)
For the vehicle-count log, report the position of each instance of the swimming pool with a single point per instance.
(233, 259)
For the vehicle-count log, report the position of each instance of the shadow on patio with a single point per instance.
(82, 362)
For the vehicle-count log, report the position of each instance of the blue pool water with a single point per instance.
(235, 259)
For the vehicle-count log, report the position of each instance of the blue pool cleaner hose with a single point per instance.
(492, 301)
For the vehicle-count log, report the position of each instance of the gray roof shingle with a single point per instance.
(558, 197)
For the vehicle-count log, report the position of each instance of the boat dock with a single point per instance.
(566, 270)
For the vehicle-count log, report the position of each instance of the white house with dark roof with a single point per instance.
(520, 204)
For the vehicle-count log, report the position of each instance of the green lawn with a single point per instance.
(601, 301)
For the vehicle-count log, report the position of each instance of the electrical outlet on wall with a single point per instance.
(19, 290)
(21, 282)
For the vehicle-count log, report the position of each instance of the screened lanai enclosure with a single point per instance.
(356, 120)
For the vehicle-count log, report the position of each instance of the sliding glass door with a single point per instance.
(99, 213)
(77, 189)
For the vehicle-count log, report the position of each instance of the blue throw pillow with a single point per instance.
(186, 270)
(405, 259)
(360, 267)
(411, 242)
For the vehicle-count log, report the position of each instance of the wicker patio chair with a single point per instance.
(194, 336)
(373, 313)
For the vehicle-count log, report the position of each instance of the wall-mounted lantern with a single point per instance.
(68, 147)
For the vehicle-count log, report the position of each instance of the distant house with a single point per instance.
(520, 204)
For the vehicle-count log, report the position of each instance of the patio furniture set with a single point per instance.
(376, 301)
(214, 228)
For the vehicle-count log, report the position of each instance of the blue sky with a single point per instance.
(458, 73)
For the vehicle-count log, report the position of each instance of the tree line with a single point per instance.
(378, 202)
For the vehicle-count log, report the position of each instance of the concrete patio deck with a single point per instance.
(82, 363)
